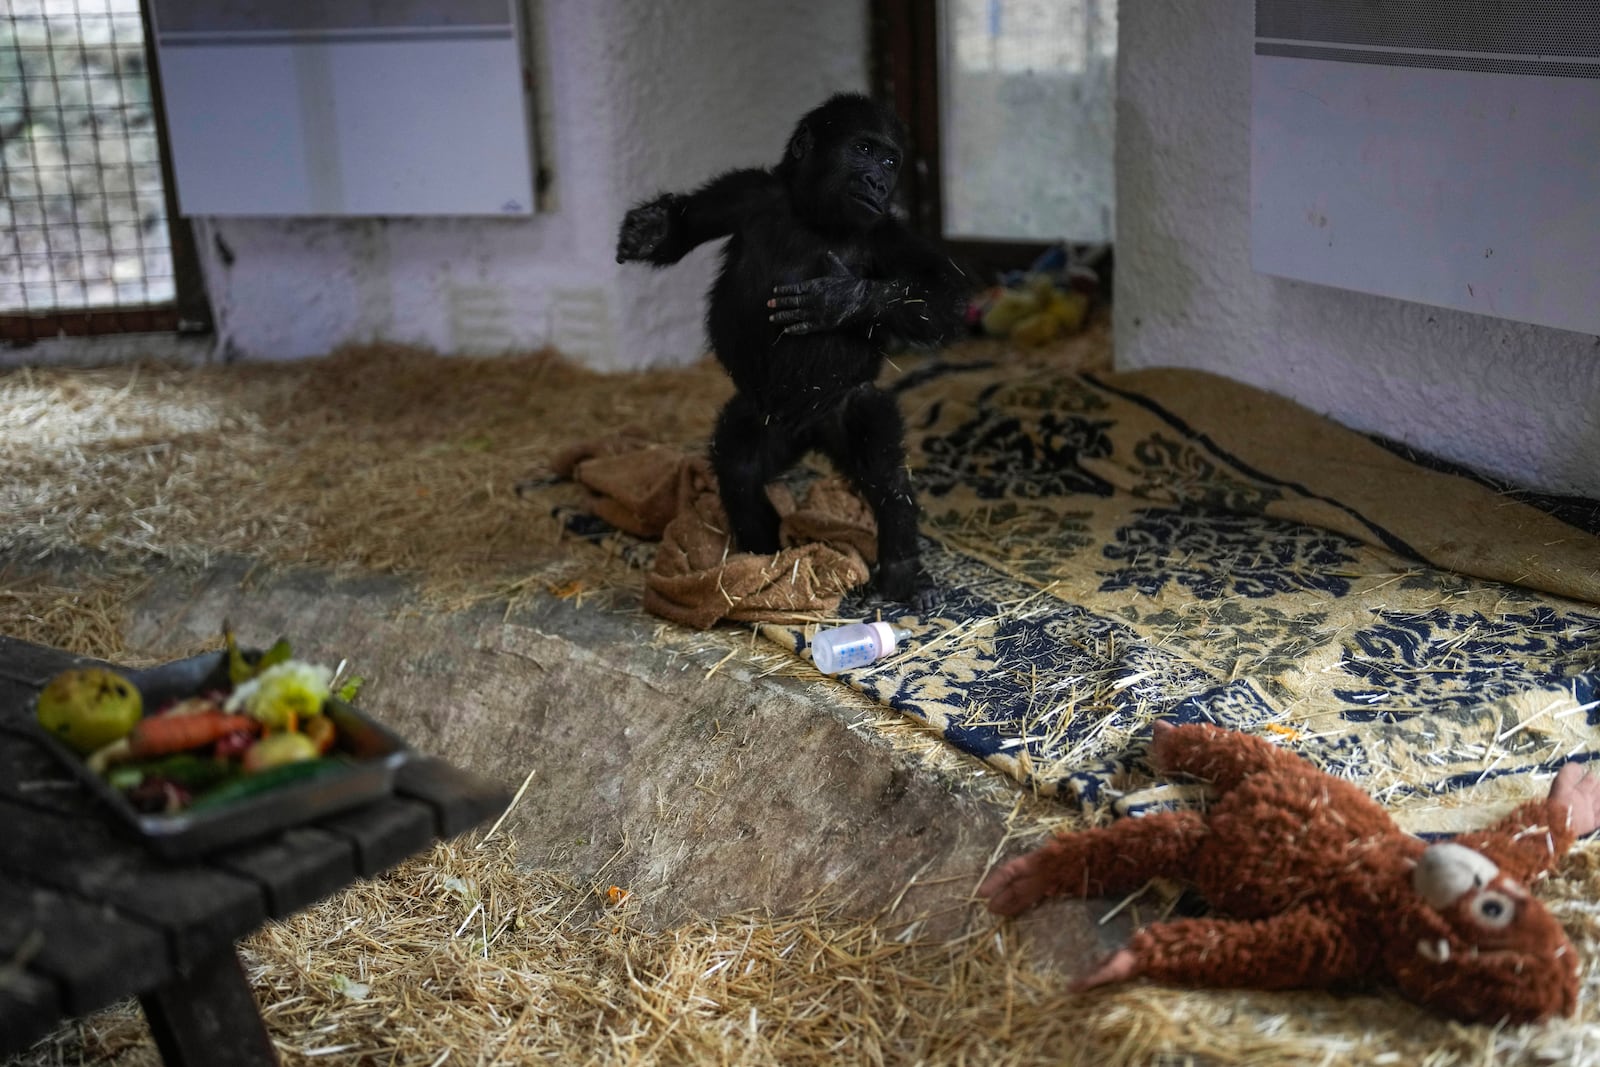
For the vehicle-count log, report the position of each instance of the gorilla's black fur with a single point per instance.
(817, 277)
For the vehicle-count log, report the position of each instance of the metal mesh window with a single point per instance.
(83, 210)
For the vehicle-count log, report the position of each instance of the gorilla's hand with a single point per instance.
(645, 229)
(837, 299)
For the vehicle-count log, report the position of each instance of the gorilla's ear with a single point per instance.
(800, 144)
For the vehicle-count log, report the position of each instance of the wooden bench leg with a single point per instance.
(207, 1016)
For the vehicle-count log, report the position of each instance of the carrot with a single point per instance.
(160, 735)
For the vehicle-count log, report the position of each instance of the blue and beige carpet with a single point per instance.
(1114, 549)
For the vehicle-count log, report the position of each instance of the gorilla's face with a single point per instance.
(844, 163)
(867, 169)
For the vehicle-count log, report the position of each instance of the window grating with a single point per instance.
(83, 209)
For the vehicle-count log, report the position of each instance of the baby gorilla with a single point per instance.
(817, 276)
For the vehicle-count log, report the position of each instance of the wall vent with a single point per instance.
(346, 107)
(1440, 151)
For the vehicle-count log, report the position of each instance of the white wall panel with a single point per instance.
(346, 108)
(1429, 152)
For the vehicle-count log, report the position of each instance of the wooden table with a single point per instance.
(88, 916)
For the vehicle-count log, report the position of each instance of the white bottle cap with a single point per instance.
(887, 638)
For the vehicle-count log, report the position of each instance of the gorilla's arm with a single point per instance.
(664, 230)
(917, 297)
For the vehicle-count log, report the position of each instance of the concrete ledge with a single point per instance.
(703, 793)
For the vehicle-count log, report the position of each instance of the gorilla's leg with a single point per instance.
(866, 441)
(747, 452)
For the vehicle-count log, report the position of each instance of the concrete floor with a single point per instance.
(703, 792)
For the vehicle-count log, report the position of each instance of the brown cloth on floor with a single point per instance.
(653, 491)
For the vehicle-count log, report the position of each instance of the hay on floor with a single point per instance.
(382, 458)
(393, 460)
(461, 957)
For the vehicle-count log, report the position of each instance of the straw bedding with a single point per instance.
(395, 460)
(462, 957)
(381, 458)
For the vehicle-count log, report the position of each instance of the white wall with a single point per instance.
(1521, 402)
(637, 97)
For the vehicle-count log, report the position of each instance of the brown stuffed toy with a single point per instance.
(1322, 889)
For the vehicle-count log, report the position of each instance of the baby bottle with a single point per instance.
(855, 645)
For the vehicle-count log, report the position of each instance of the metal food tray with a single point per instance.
(376, 753)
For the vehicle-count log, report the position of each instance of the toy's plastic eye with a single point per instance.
(1494, 910)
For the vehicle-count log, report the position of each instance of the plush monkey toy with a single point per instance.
(1321, 889)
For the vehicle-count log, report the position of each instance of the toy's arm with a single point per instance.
(1529, 842)
(1293, 950)
(1102, 862)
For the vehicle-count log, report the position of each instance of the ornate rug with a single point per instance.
(1114, 549)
